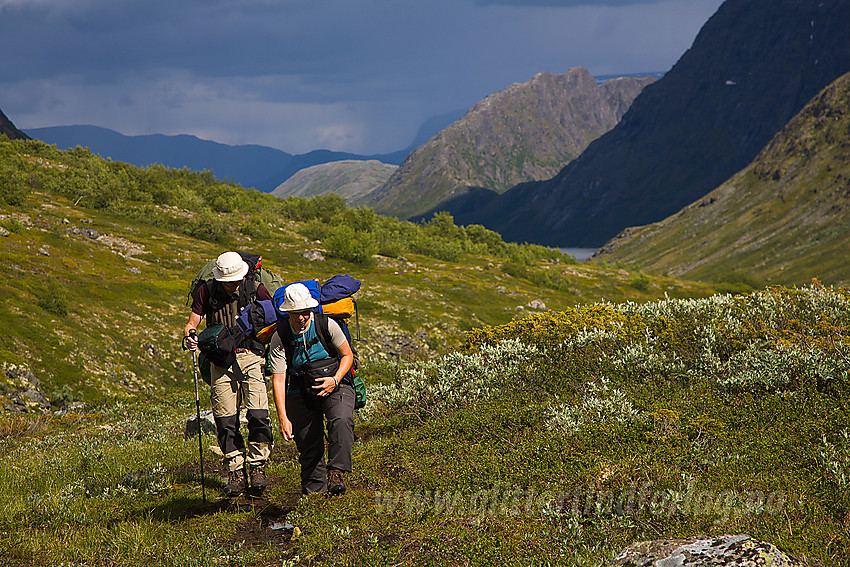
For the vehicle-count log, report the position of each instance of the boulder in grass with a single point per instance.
(721, 551)
(207, 424)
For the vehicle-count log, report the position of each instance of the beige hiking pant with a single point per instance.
(231, 387)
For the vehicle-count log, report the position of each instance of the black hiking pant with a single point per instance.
(308, 429)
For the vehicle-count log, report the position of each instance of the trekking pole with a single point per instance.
(198, 412)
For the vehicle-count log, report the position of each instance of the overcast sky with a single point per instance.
(298, 75)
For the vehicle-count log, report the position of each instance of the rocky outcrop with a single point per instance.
(22, 390)
(206, 424)
(752, 67)
(701, 551)
(526, 132)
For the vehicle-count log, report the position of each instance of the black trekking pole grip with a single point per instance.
(198, 414)
(192, 333)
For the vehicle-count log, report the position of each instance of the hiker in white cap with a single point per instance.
(310, 357)
(234, 286)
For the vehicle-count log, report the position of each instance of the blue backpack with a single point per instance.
(259, 320)
(337, 289)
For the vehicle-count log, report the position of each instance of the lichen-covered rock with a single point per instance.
(699, 551)
(207, 424)
(22, 388)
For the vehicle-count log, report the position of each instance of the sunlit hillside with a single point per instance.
(783, 219)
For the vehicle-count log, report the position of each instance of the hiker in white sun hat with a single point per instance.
(230, 267)
(237, 377)
(297, 297)
(310, 358)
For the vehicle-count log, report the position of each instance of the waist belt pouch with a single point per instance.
(359, 391)
(218, 345)
(312, 372)
(204, 368)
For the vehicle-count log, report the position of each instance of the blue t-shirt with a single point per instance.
(308, 347)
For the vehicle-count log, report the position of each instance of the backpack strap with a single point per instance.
(323, 332)
(287, 339)
(248, 289)
(220, 310)
(284, 331)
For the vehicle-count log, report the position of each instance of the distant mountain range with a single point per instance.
(261, 167)
(752, 67)
(525, 132)
(785, 218)
(350, 179)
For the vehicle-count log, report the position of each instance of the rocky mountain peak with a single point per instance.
(752, 67)
(525, 132)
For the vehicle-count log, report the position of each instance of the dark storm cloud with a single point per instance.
(564, 3)
(337, 43)
(359, 75)
(93, 37)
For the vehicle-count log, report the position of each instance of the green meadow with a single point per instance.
(628, 407)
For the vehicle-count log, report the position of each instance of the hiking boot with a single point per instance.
(335, 482)
(258, 479)
(236, 482)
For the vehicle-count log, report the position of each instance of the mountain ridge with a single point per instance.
(525, 131)
(350, 179)
(9, 129)
(784, 218)
(753, 65)
(250, 165)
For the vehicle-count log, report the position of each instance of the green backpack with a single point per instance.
(270, 280)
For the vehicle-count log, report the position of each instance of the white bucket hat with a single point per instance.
(230, 267)
(296, 297)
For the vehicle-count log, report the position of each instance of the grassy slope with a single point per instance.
(497, 456)
(783, 219)
(118, 317)
(125, 293)
(117, 484)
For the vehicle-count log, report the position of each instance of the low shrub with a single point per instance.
(347, 244)
(52, 296)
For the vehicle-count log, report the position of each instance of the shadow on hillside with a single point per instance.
(180, 509)
(266, 520)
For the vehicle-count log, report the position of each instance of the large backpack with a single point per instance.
(336, 302)
(268, 278)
